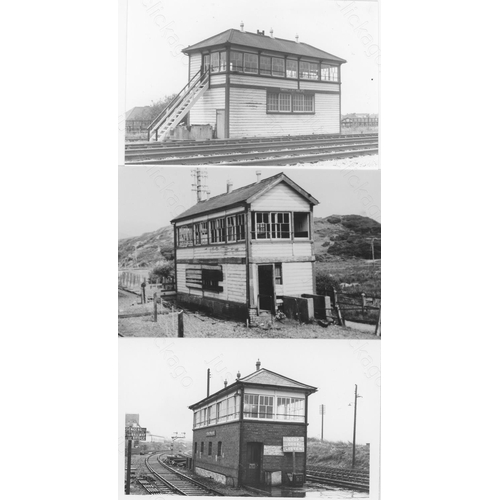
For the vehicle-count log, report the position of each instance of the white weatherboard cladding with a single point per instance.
(262, 81)
(214, 215)
(248, 116)
(195, 64)
(281, 198)
(297, 278)
(280, 249)
(308, 85)
(274, 392)
(204, 111)
(212, 251)
(217, 79)
(234, 284)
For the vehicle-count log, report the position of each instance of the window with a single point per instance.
(230, 409)
(290, 409)
(291, 68)
(272, 102)
(265, 65)
(251, 406)
(202, 447)
(214, 62)
(195, 448)
(301, 224)
(201, 233)
(219, 449)
(236, 61)
(236, 227)
(284, 102)
(217, 230)
(251, 63)
(266, 406)
(258, 406)
(221, 411)
(185, 236)
(274, 225)
(209, 448)
(206, 63)
(204, 277)
(329, 73)
(278, 66)
(278, 274)
(209, 415)
(223, 61)
(309, 70)
(290, 103)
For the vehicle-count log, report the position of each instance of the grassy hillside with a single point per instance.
(336, 454)
(147, 249)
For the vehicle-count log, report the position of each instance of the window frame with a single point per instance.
(274, 106)
(247, 69)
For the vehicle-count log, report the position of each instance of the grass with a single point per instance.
(337, 454)
(363, 275)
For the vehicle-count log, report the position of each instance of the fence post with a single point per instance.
(377, 327)
(363, 304)
(180, 324)
(155, 308)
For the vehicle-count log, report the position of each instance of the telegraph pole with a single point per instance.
(208, 382)
(322, 411)
(354, 430)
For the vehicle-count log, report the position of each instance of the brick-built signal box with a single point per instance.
(242, 433)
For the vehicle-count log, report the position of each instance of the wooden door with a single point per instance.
(266, 288)
(254, 463)
(221, 124)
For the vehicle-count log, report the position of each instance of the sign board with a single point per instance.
(210, 433)
(293, 444)
(135, 433)
(273, 451)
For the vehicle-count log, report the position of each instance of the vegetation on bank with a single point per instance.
(337, 454)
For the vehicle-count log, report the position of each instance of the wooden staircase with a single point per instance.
(177, 109)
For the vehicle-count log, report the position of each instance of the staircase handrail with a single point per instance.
(175, 101)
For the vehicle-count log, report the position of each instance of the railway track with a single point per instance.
(173, 480)
(275, 151)
(347, 478)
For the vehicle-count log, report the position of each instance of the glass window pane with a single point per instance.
(236, 61)
(278, 66)
(284, 102)
(291, 68)
(265, 65)
(251, 63)
(214, 63)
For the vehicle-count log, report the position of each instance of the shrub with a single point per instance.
(162, 269)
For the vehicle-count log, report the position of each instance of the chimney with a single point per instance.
(258, 172)
(261, 32)
(297, 38)
(229, 185)
(257, 365)
(242, 27)
(271, 32)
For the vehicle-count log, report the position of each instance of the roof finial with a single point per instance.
(297, 38)
(271, 33)
(242, 27)
(238, 375)
(258, 365)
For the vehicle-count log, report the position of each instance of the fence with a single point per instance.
(357, 307)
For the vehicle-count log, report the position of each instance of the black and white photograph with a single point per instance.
(260, 83)
(289, 253)
(249, 418)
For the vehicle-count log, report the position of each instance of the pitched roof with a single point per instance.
(242, 195)
(263, 42)
(139, 113)
(260, 377)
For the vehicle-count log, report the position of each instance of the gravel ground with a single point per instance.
(359, 162)
(199, 325)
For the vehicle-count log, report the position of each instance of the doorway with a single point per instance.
(254, 463)
(220, 124)
(266, 288)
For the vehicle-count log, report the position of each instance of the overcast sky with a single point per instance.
(148, 198)
(157, 30)
(159, 378)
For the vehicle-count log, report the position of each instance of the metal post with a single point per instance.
(322, 419)
(208, 382)
(354, 430)
(129, 459)
(180, 324)
(155, 308)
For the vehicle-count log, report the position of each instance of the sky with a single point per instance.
(159, 378)
(149, 197)
(153, 65)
